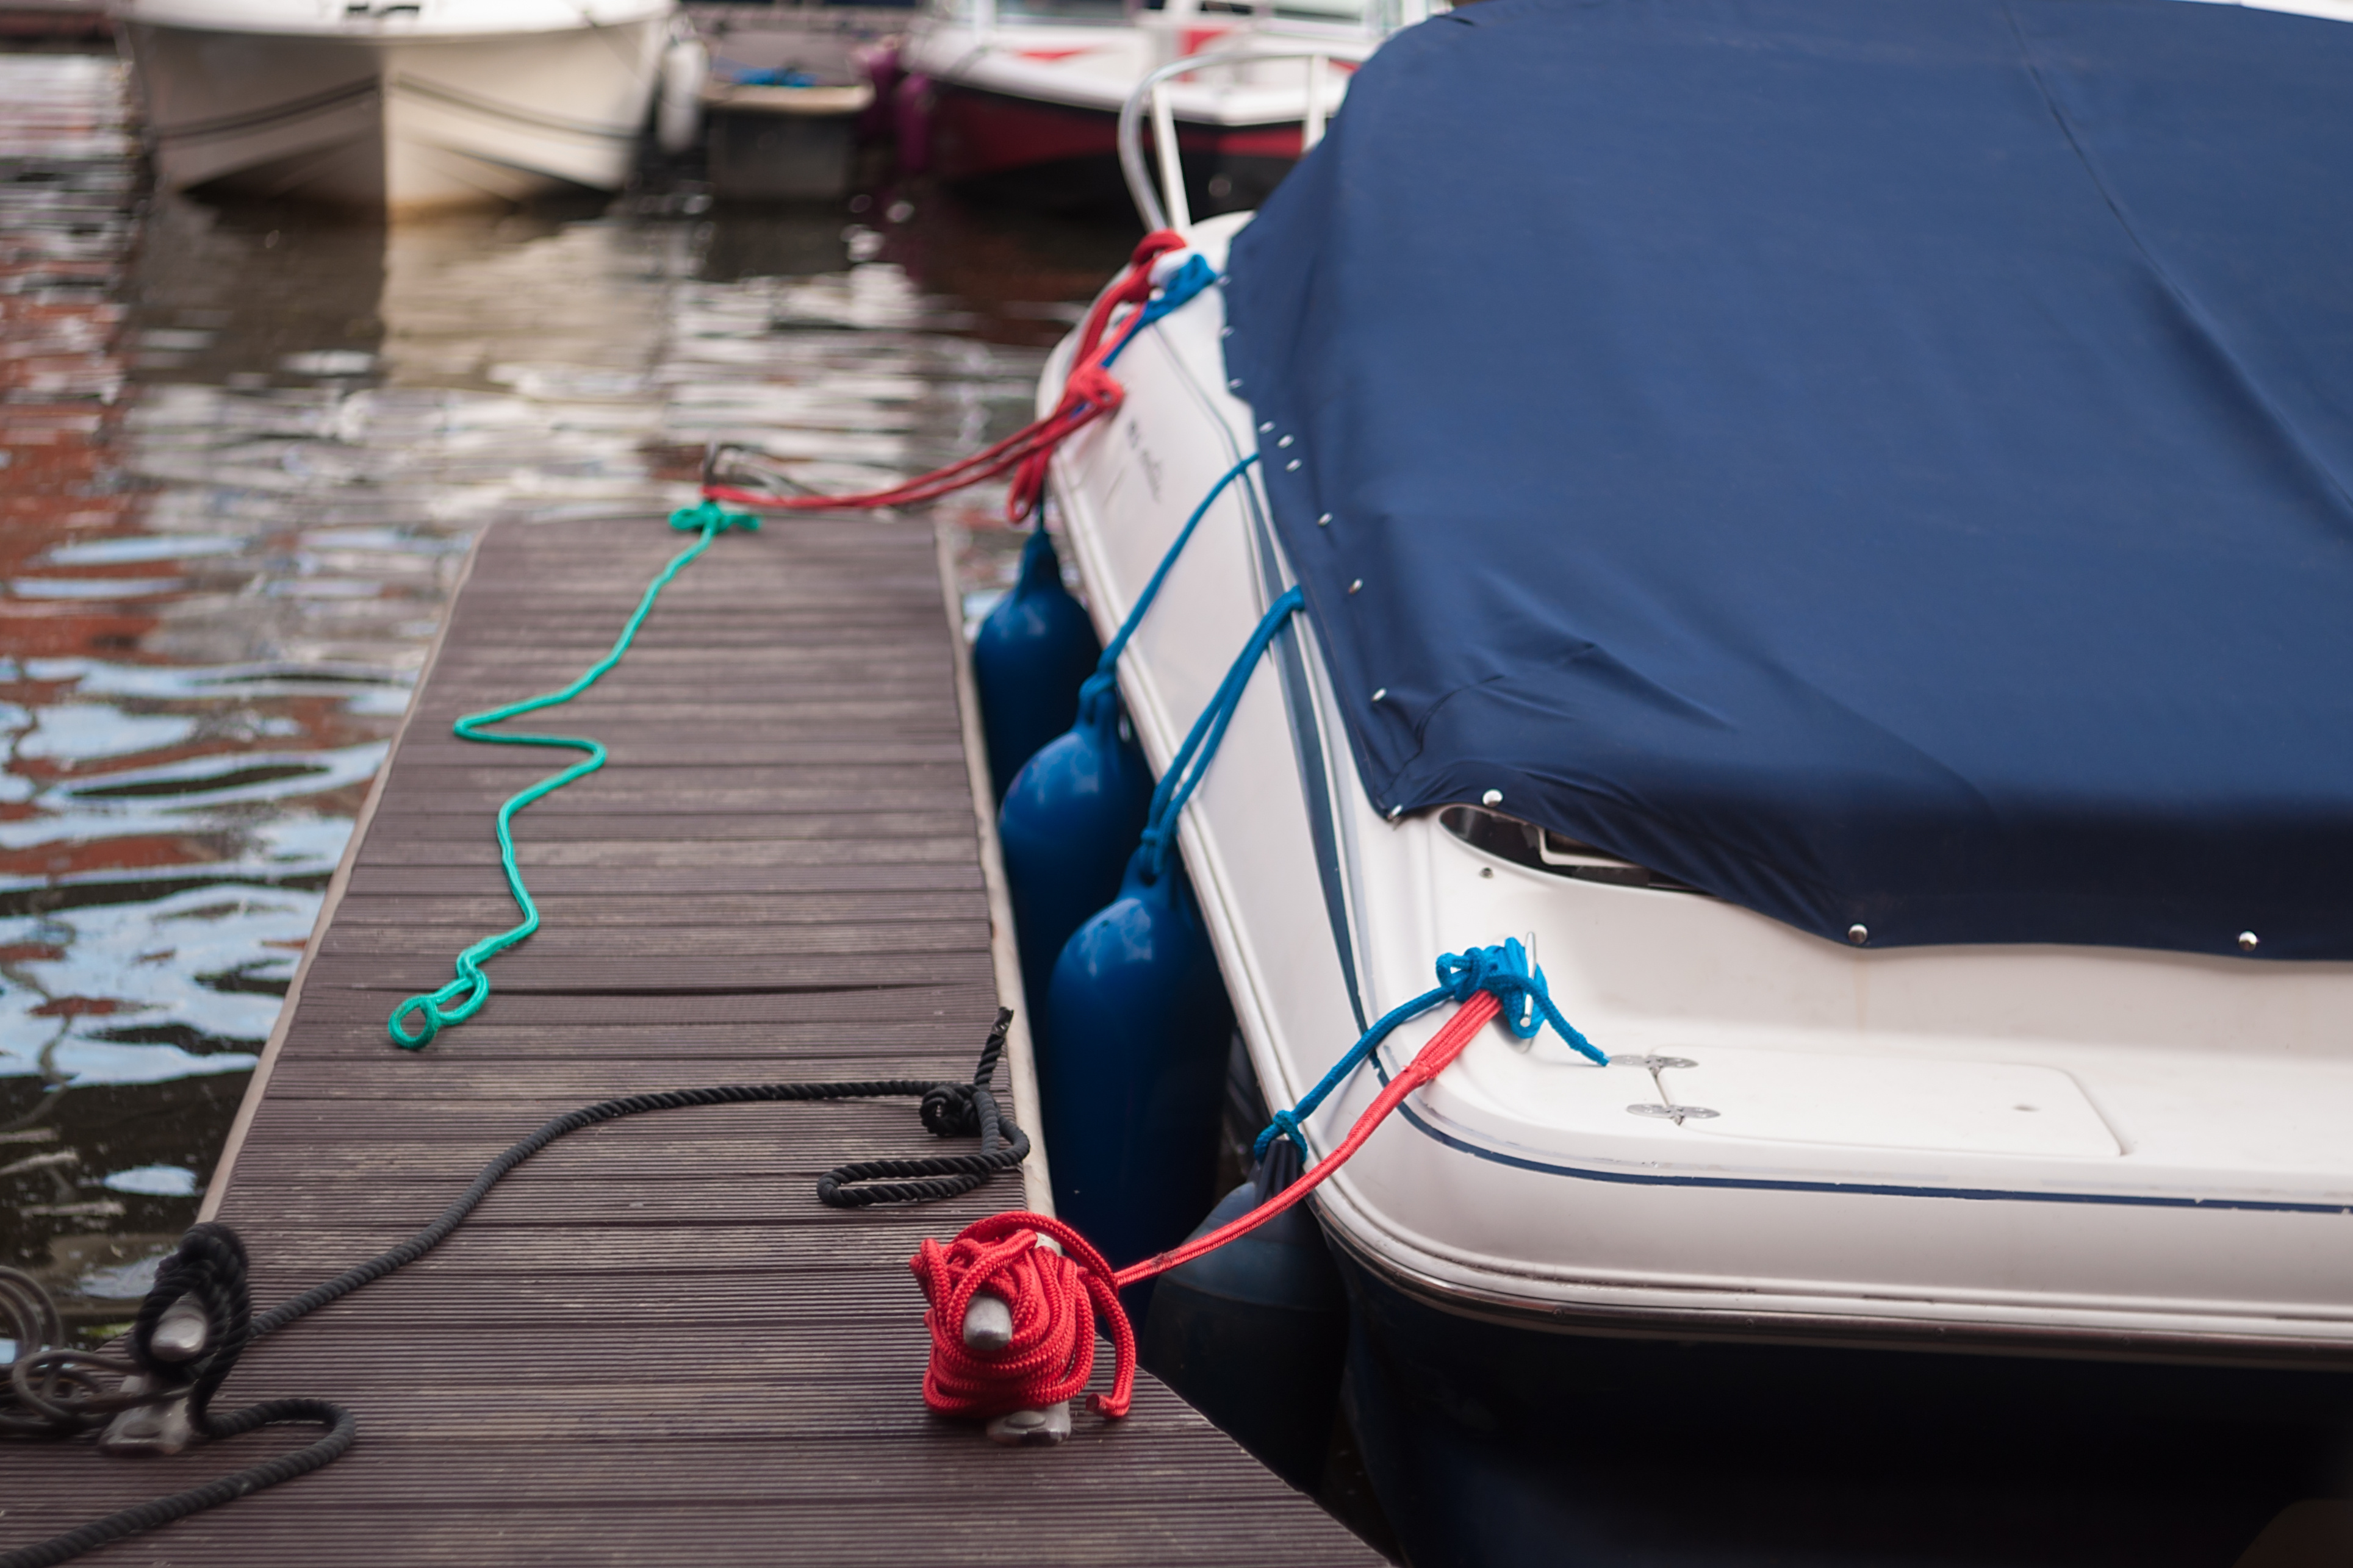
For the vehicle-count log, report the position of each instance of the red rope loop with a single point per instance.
(1055, 1298)
(1088, 394)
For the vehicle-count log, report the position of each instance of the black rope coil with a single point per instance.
(52, 1391)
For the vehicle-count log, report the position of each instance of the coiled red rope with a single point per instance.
(1055, 1298)
(1088, 394)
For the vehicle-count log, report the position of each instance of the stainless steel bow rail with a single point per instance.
(199, 1318)
(1151, 97)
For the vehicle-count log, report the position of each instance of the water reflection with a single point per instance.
(245, 452)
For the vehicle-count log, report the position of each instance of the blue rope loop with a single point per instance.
(465, 995)
(1503, 971)
(1191, 762)
(1183, 286)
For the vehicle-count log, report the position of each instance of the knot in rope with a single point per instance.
(1089, 392)
(453, 1003)
(708, 516)
(1283, 1124)
(950, 1110)
(1503, 973)
(1054, 1299)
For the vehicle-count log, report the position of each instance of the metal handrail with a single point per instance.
(1177, 214)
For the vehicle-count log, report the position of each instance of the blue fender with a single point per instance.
(1033, 651)
(1255, 1334)
(1133, 1082)
(1068, 825)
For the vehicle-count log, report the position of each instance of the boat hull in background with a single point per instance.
(395, 121)
(1068, 155)
(1030, 111)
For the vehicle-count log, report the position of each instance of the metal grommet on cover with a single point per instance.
(1323, 521)
(2248, 941)
(1380, 693)
(1395, 811)
(1857, 933)
(1355, 585)
(1492, 797)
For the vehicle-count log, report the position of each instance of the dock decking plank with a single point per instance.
(651, 1344)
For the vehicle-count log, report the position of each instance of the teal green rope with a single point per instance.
(463, 998)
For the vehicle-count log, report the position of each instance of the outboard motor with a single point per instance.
(1255, 1334)
(1033, 651)
(1068, 822)
(1136, 1068)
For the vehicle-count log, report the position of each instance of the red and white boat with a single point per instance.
(1025, 94)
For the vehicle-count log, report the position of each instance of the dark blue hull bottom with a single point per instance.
(1493, 1445)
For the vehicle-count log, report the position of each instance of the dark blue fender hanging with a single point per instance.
(1133, 1081)
(1032, 652)
(1068, 822)
(1255, 1334)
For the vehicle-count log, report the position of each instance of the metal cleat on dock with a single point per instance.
(988, 1329)
(165, 1424)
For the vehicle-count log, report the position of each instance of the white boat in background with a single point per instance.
(1030, 91)
(399, 104)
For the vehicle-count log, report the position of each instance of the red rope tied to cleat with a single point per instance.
(1088, 394)
(1057, 1296)
(1054, 1297)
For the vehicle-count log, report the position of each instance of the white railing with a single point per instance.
(1151, 97)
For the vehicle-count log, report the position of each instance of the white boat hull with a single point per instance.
(2101, 1151)
(394, 121)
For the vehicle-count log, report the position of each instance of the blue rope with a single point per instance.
(463, 998)
(1106, 675)
(1191, 761)
(1503, 972)
(1183, 285)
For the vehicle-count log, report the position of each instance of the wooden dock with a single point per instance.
(651, 1345)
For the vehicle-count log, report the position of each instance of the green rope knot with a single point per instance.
(454, 1002)
(710, 517)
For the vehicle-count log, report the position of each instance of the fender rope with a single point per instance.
(1056, 1297)
(1105, 678)
(1186, 768)
(56, 1392)
(463, 998)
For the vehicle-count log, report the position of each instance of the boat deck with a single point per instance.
(651, 1344)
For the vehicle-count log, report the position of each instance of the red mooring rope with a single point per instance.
(1055, 1296)
(1088, 394)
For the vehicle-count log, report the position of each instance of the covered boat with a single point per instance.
(419, 103)
(1831, 521)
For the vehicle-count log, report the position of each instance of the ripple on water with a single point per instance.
(244, 454)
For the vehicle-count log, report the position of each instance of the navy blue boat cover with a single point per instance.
(1880, 461)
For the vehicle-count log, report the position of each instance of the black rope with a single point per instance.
(55, 1392)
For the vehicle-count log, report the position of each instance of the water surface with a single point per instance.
(245, 452)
